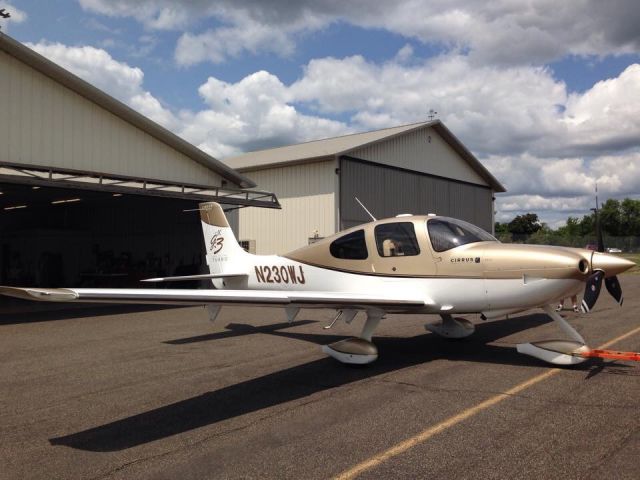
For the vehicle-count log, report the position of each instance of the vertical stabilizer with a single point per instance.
(223, 250)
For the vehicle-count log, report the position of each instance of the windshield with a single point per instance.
(447, 233)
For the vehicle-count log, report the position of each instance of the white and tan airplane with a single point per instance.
(419, 264)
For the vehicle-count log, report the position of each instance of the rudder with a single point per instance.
(220, 242)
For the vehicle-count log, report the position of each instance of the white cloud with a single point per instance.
(97, 67)
(251, 114)
(217, 45)
(501, 32)
(607, 115)
(158, 14)
(618, 175)
(537, 203)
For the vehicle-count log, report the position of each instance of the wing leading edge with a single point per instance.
(218, 297)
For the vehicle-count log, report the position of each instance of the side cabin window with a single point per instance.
(396, 240)
(350, 247)
(448, 233)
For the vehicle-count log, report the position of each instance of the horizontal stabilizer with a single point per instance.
(205, 276)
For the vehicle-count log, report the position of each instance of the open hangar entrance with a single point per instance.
(98, 232)
(62, 237)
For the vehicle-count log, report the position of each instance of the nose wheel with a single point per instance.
(558, 352)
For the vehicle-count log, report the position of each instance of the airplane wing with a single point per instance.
(220, 297)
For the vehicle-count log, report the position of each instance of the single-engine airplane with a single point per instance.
(420, 264)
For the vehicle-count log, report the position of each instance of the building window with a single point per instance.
(248, 246)
(396, 240)
(350, 247)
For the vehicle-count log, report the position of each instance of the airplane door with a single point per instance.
(401, 250)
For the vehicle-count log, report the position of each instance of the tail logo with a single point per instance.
(217, 242)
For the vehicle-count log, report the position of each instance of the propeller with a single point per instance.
(592, 291)
(594, 282)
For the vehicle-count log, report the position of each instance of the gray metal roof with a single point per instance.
(337, 146)
(97, 96)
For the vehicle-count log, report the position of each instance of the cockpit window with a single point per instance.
(448, 233)
(350, 247)
(396, 239)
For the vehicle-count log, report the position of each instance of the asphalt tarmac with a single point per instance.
(123, 394)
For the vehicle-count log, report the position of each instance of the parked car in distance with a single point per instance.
(613, 250)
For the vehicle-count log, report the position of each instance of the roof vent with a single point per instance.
(404, 215)
(431, 215)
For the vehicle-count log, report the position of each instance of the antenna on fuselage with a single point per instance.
(365, 209)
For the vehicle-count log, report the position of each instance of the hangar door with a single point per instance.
(388, 191)
(54, 237)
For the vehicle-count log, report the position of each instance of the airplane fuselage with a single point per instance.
(491, 296)
(405, 255)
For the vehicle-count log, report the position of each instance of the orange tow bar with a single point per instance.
(611, 354)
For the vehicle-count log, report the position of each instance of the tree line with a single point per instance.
(617, 219)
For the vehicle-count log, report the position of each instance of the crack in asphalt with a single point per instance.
(622, 441)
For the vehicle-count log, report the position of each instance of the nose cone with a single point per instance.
(610, 264)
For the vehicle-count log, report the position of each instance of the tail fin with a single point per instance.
(220, 243)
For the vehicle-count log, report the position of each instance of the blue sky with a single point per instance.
(545, 94)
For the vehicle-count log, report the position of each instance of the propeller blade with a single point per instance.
(614, 288)
(592, 291)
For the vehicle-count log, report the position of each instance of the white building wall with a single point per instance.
(422, 150)
(44, 123)
(307, 195)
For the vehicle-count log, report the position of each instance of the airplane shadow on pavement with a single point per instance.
(238, 330)
(298, 382)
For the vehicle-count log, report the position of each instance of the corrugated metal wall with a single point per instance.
(422, 150)
(44, 123)
(307, 195)
(387, 191)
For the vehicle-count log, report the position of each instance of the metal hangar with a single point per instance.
(91, 192)
(418, 168)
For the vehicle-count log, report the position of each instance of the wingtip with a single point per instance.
(43, 294)
(15, 292)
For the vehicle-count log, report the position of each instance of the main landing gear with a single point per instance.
(451, 327)
(356, 350)
(558, 352)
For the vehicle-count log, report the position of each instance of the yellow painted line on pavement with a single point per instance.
(426, 434)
